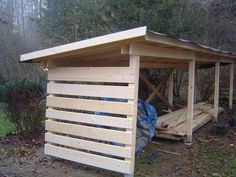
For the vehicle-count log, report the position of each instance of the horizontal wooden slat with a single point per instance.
(92, 74)
(90, 118)
(90, 132)
(88, 159)
(91, 90)
(118, 151)
(90, 105)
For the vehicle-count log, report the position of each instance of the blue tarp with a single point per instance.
(146, 122)
(149, 120)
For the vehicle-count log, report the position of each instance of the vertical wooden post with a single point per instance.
(171, 89)
(135, 65)
(231, 86)
(190, 108)
(216, 96)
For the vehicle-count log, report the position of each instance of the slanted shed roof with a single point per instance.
(151, 46)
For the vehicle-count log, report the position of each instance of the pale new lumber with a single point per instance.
(155, 91)
(190, 106)
(116, 61)
(176, 114)
(90, 132)
(153, 51)
(92, 74)
(88, 159)
(231, 86)
(89, 145)
(89, 118)
(170, 136)
(106, 91)
(171, 89)
(170, 115)
(157, 64)
(213, 58)
(90, 44)
(134, 64)
(172, 132)
(168, 152)
(90, 105)
(216, 94)
(181, 119)
(211, 111)
(196, 112)
(203, 113)
(182, 126)
(201, 120)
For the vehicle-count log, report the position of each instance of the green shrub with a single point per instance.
(25, 105)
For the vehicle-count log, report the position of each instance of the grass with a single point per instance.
(5, 126)
(217, 160)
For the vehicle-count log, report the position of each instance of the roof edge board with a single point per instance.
(172, 41)
(93, 42)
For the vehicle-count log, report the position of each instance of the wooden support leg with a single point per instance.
(170, 90)
(216, 97)
(134, 65)
(231, 86)
(191, 80)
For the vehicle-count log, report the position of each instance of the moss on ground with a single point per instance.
(216, 160)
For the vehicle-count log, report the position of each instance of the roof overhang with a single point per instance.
(137, 41)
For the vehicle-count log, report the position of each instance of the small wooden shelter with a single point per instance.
(86, 78)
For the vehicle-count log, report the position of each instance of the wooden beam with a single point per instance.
(231, 86)
(162, 65)
(212, 58)
(190, 107)
(153, 51)
(171, 89)
(216, 97)
(134, 65)
(155, 91)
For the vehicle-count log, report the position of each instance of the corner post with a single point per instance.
(190, 106)
(134, 64)
(216, 96)
(231, 86)
(171, 89)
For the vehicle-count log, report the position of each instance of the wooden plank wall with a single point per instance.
(78, 126)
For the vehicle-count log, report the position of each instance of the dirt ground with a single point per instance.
(209, 155)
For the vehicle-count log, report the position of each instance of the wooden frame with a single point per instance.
(71, 113)
(85, 77)
(231, 86)
(216, 94)
(191, 83)
(171, 89)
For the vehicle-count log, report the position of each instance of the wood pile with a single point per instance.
(174, 125)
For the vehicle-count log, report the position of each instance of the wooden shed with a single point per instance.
(101, 75)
